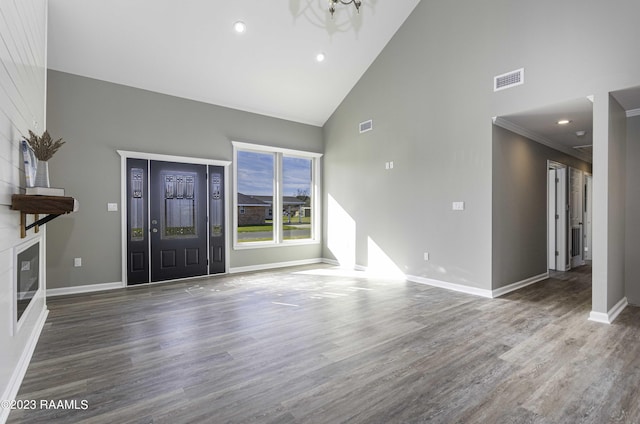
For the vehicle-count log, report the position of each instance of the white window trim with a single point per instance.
(278, 240)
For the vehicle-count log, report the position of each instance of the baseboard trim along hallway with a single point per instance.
(610, 316)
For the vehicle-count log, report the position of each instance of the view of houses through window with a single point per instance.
(267, 182)
(296, 199)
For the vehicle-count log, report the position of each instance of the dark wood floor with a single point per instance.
(301, 346)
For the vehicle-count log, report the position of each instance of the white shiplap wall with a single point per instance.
(23, 31)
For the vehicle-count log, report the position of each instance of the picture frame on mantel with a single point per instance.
(30, 164)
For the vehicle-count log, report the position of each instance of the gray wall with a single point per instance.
(616, 204)
(430, 95)
(441, 148)
(96, 118)
(632, 251)
(520, 205)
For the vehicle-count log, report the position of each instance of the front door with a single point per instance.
(178, 220)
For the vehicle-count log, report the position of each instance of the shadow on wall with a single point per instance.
(342, 243)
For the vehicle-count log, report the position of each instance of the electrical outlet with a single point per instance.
(426, 256)
(77, 262)
(112, 207)
(391, 165)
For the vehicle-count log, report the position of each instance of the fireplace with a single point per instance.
(27, 272)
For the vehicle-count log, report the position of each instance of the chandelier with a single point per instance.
(332, 5)
(332, 19)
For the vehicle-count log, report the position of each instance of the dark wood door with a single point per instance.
(178, 220)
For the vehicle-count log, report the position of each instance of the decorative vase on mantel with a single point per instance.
(42, 174)
(43, 148)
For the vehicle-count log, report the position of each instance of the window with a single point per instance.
(297, 179)
(276, 199)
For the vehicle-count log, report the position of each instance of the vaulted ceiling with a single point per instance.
(189, 49)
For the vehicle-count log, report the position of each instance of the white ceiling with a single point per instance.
(541, 124)
(188, 48)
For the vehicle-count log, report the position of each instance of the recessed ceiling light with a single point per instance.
(239, 27)
(563, 122)
(320, 57)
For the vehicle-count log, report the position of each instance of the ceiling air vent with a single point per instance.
(587, 148)
(366, 126)
(508, 80)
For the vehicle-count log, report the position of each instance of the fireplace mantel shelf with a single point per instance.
(52, 206)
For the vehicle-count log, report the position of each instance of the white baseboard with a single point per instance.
(274, 265)
(460, 287)
(609, 317)
(428, 281)
(450, 286)
(519, 284)
(62, 291)
(600, 317)
(11, 391)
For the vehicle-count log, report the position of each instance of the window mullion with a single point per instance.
(277, 200)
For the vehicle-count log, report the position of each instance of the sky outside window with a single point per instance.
(255, 173)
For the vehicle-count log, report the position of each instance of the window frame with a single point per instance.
(279, 153)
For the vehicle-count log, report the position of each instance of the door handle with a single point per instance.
(155, 230)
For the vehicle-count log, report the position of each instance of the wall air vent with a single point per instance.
(366, 126)
(508, 80)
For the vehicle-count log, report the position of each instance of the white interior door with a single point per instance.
(588, 204)
(563, 262)
(576, 209)
(551, 219)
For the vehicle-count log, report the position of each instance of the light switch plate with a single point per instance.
(112, 207)
(458, 206)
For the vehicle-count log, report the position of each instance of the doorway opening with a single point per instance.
(569, 216)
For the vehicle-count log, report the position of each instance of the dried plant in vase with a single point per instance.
(44, 147)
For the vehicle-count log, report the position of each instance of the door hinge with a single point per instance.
(557, 216)
(557, 253)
